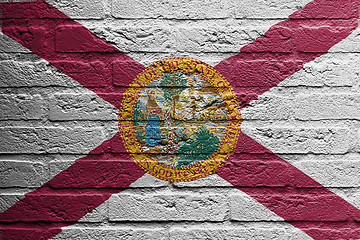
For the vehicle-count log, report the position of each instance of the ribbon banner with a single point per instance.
(166, 131)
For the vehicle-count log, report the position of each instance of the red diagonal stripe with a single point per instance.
(71, 194)
(288, 45)
(261, 65)
(70, 47)
(290, 193)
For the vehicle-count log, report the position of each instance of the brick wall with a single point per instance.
(311, 119)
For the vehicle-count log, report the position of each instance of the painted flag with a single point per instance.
(295, 79)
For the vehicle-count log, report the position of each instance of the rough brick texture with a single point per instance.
(297, 81)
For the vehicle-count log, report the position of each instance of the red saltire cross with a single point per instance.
(76, 191)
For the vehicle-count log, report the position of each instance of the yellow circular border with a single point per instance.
(199, 169)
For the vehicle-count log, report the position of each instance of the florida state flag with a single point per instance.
(184, 125)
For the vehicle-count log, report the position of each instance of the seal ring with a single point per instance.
(199, 169)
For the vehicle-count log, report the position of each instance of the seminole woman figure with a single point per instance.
(153, 134)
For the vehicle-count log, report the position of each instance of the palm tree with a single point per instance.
(172, 85)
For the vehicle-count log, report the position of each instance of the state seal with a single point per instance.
(180, 119)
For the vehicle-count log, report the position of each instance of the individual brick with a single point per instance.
(278, 39)
(323, 9)
(317, 32)
(245, 208)
(152, 38)
(126, 207)
(112, 233)
(307, 207)
(245, 171)
(172, 9)
(268, 107)
(78, 39)
(250, 232)
(99, 214)
(76, 140)
(8, 45)
(32, 74)
(339, 173)
(49, 140)
(32, 36)
(22, 140)
(55, 167)
(53, 207)
(90, 74)
(26, 10)
(259, 73)
(327, 106)
(9, 199)
(24, 233)
(92, 172)
(355, 200)
(349, 44)
(218, 38)
(80, 9)
(338, 233)
(261, 9)
(22, 106)
(324, 140)
(68, 106)
(202, 38)
(21, 174)
(329, 70)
